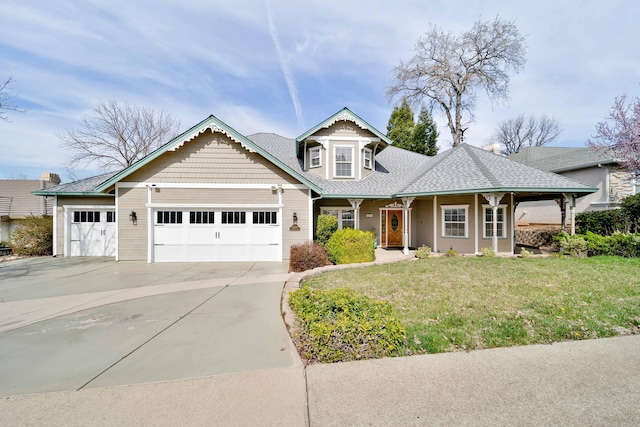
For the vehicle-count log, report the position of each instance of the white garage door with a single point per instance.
(216, 235)
(93, 233)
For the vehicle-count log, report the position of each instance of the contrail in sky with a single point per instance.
(284, 65)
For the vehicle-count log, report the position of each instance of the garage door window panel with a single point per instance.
(234, 217)
(202, 217)
(265, 217)
(169, 217)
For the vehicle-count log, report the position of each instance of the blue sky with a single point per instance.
(284, 66)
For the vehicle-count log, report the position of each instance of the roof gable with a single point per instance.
(344, 114)
(561, 159)
(216, 126)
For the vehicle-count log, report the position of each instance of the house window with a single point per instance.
(315, 161)
(111, 216)
(368, 157)
(346, 217)
(344, 162)
(454, 221)
(169, 217)
(204, 217)
(234, 217)
(268, 217)
(487, 222)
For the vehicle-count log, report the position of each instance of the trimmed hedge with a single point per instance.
(305, 256)
(339, 325)
(604, 223)
(348, 246)
(590, 244)
(326, 225)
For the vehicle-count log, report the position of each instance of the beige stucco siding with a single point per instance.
(211, 158)
(132, 237)
(63, 201)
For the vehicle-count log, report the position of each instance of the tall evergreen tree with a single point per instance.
(401, 125)
(424, 135)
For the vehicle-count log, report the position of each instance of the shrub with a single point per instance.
(33, 236)
(625, 244)
(423, 252)
(524, 253)
(451, 252)
(488, 252)
(305, 256)
(574, 246)
(597, 244)
(604, 223)
(339, 325)
(325, 227)
(631, 210)
(348, 246)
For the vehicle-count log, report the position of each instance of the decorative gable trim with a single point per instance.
(214, 129)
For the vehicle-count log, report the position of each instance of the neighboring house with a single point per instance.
(17, 202)
(583, 164)
(212, 194)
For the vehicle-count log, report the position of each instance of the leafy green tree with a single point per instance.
(401, 125)
(424, 135)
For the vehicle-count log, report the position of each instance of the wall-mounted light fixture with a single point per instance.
(133, 217)
(295, 226)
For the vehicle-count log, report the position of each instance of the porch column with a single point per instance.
(406, 203)
(571, 198)
(355, 204)
(562, 202)
(494, 201)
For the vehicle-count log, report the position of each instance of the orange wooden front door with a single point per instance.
(394, 228)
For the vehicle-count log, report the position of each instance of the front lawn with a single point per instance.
(466, 303)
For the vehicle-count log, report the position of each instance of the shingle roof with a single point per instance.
(17, 201)
(561, 159)
(85, 186)
(462, 169)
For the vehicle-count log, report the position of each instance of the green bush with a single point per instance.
(488, 252)
(597, 244)
(33, 236)
(423, 252)
(348, 246)
(339, 325)
(524, 253)
(631, 210)
(451, 252)
(618, 244)
(603, 223)
(574, 246)
(306, 256)
(326, 225)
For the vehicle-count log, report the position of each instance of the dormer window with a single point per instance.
(343, 162)
(314, 157)
(368, 158)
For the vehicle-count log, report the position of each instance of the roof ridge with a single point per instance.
(485, 170)
(431, 162)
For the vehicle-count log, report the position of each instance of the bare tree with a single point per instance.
(118, 135)
(620, 133)
(515, 134)
(447, 71)
(6, 99)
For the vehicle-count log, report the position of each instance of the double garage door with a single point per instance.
(217, 235)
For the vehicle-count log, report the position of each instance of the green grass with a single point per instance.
(466, 303)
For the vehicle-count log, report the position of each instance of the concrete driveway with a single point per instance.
(74, 323)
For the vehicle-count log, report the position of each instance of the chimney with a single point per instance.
(494, 148)
(52, 178)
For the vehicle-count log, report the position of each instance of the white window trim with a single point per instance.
(313, 150)
(335, 161)
(368, 151)
(339, 209)
(466, 221)
(504, 221)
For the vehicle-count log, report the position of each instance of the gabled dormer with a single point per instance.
(343, 147)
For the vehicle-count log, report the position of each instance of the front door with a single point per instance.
(394, 228)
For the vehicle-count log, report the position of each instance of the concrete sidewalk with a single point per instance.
(595, 382)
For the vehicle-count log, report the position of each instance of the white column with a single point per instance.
(355, 204)
(494, 201)
(406, 202)
(150, 240)
(571, 198)
(478, 211)
(435, 224)
(55, 226)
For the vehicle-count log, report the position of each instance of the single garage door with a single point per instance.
(217, 235)
(93, 232)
